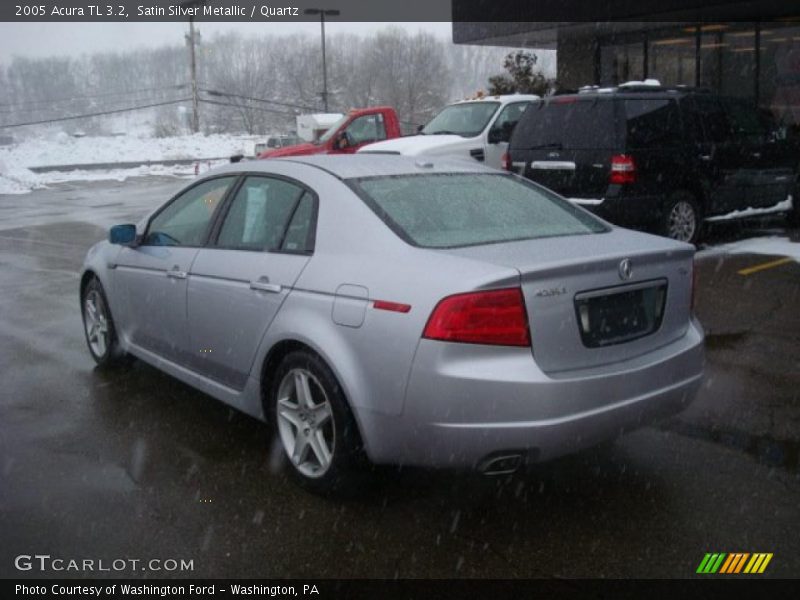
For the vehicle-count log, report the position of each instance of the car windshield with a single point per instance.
(468, 209)
(332, 131)
(466, 119)
(567, 123)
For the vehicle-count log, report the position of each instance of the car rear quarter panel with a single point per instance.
(354, 248)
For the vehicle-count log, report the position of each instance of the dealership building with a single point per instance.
(744, 49)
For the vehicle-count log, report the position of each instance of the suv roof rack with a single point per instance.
(637, 87)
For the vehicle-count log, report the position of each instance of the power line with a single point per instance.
(88, 96)
(248, 107)
(96, 114)
(251, 98)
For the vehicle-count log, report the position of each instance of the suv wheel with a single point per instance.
(682, 220)
(314, 424)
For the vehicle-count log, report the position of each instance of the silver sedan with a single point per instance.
(381, 309)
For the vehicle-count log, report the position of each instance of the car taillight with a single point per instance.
(505, 161)
(495, 317)
(623, 169)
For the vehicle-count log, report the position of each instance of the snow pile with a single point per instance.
(61, 149)
(783, 206)
(770, 245)
(17, 180)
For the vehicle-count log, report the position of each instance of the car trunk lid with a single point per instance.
(598, 299)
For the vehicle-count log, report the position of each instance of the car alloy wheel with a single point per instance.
(95, 322)
(306, 423)
(682, 223)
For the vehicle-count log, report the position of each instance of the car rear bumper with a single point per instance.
(467, 403)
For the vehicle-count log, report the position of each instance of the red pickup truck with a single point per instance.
(358, 127)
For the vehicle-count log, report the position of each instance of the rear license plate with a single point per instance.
(621, 314)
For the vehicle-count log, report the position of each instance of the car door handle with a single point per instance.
(176, 273)
(705, 157)
(756, 155)
(263, 285)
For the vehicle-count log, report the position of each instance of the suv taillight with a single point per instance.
(623, 169)
(505, 161)
(495, 317)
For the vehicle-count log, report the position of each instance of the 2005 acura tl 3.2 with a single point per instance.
(427, 313)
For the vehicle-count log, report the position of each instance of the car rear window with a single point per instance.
(567, 123)
(468, 209)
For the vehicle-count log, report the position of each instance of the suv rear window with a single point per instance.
(468, 209)
(567, 123)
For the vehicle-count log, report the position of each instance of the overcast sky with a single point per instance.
(74, 39)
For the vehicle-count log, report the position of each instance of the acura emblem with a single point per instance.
(625, 268)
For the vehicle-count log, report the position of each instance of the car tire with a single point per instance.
(314, 426)
(98, 327)
(682, 218)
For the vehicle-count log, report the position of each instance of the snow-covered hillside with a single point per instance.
(61, 149)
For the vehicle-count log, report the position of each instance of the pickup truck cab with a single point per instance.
(355, 129)
(479, 128)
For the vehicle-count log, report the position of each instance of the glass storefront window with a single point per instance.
(671, 57)
(621, 62)
(779, 74)
(728, 59)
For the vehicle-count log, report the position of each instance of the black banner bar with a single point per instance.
(370, 589)
(465, 11)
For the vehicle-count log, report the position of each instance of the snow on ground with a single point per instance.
(61, 149)
(769, 245)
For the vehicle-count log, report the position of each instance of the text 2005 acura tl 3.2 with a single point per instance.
(374, 308)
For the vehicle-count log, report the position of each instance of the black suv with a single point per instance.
(653, 156)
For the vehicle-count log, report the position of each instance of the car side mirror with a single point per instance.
(420, 128)
(124, 235)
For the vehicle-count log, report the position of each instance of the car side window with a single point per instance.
(712, 117)
(259, 213)
(300, 234)
(369, 128)
(746, 124)
(651, 122)
(508, 118)
(185, 220)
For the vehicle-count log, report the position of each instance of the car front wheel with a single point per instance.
(98, 326)
(314, 425)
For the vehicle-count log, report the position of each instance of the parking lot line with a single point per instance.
(765, 266)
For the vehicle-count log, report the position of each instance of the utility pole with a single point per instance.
(191, 40)
(331, 13)
(193, 66)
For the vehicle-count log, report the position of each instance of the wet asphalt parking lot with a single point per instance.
(132, 464)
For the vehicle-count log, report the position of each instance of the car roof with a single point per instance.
(354, 166)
